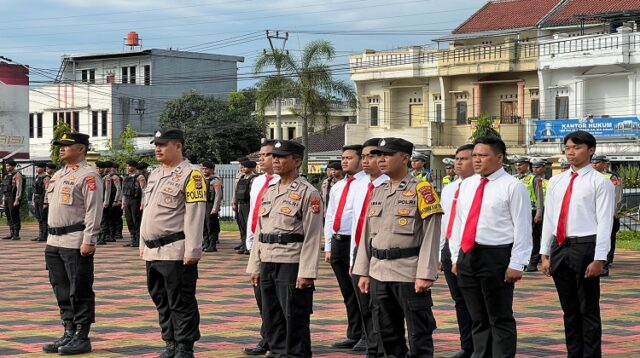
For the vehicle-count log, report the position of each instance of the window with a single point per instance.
(39, 125)
(416, 115)
(72, 119)
(104, 124)
(125, 74)
(92, 76)
(76, 121)
(85, 76)
(508, 112)
(88, 76)
(438, 114)
(535, 108)
(147, 75)
(31, 128)
(129, 74)
(562, 107)
(272, 133)
(373, 116)
(291, 132)
(461, 113)
(94, 123)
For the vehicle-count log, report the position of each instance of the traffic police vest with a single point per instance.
(529, 182)
(446, 180)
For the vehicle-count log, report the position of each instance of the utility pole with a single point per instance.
(284, 39)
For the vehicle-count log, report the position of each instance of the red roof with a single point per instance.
(572, 8)
(509, 14)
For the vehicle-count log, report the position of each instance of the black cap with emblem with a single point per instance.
(164, 135)
(288, 147)
(334, 165)
(393, 145)
(72, 138)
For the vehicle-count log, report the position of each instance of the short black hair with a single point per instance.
(581, 137)
(464, 147)
(496, 144)
(373, 142)
(355, 147)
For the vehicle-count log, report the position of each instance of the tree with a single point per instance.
(484, 127)
(310, 78)
(214, 129)
(127, 149)
(61, 129)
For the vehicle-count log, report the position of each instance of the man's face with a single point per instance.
(522, 168)
(51, 171)
(578, 155)
(450, 171)
(100, 170)
(168, 152)
(206, 171)
(71, 152)
(337, 173)
(417, 164)
(392, 164)
(285, 165)
(131, 169)
(463, 166)
(350, 162)
(266, 160)
(39, 170)
(599, 166)
(540, 170)
(485, 160)
(370, 162)
(8, 167)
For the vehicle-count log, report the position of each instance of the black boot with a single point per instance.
(80, 342)
(184, 350)
(16, 234)
(169, 351)
(10, 234)
(69, 331)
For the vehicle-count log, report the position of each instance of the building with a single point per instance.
(102, 94)
(14, 111)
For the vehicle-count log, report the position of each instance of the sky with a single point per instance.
(38, 33)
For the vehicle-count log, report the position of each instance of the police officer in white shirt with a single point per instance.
(576, 232)
(490, 244)
(337, 234)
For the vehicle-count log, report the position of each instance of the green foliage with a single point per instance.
(127, 149)
(484, 127)
(630, 175)
(61, 129)
(214, 129)
(628, 235)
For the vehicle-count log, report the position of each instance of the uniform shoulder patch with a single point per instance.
(90, 182)
(315, 203)
(428, 200)
(195, 191)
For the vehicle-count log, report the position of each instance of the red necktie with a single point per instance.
(452, 214)
(343, 200)
(561, 232)
(256, 209)
(363, 212)
(470, 228)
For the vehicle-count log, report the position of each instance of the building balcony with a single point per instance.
(413, 62)
(507, 57)
(336, 108)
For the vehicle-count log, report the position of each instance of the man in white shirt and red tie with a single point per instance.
(490, 245)
(463, 168)
(362, 192)
(258, 187)
(337, 234)
(578, 218)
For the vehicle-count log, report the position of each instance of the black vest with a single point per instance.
(8, 189)
(243, 190)
(38, 187)
(131, 187)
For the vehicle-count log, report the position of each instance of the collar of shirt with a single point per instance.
(582, 171)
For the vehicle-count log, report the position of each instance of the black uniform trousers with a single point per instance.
(536, 233)
(13, 215)
(133, 215)
(172, 287)
(286, 310)
(614, 233)
(71, 277)
(489, 299)
(465, 324)
(42, 215)
(105, 225)
(243, 219)
(397, 302)
(263, 329)
(340, 250)
(579, 297)
(374, 347)
(211, 228)
(115, 222)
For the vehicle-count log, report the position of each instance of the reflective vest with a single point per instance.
(529, 182)
(447, 180)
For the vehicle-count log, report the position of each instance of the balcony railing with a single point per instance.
(411, 56)
(587, 43)
(296, 103)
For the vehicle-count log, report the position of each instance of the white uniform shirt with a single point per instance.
(591, 209)
(359, 188)
(505, 216)
(256, 186)
(446, 200)
(332, 208)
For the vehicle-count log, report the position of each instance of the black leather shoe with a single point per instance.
(531, 268)
(8, 237)
(169, 350)
(15, 238)
(347, 343)
(128, 245)
(461, 354)
(255, 351)
(69, 331)
(361, 346)
(237, 247)
(211, 249)
(184, 350)
(79, 344)
(35, 239)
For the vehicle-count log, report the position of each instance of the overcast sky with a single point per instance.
(38, 33)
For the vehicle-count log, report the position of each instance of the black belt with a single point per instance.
(165, 240)
(281, 238)
(579, 240)
(63, 230)
(395, 253)
(341, 237)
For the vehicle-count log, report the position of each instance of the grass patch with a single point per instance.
(628, 239)
(228, 225)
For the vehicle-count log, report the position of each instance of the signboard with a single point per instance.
(316, 168)
(14, 111)
(620, 127)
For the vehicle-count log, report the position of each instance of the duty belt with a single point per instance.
(579, 240)
(63, 230)
(281, 238)
(165, 240)
(341, 237)
(395, 253)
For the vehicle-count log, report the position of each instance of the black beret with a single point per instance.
(334, 165)
(142, 166)
(132, 163)
(373, 142)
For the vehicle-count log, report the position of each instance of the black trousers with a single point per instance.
(397, 302)
(489, 299)
(105, 224)
(614, 233)
(374, 348)
(465, 324)
(286, 310)
(71, 277)
(211, 228)
(13, 216)
(579, 298)
(263, 330)
(340, 250)
(42, 215)
(115, 222)
(172, 287)
(133, 215)
(243, 219)
(536, 232)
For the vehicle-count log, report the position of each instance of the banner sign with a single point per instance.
(620, 127)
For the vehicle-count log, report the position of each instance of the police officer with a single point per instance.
(214, 200)
(418, 163)
(284, 258)
(171, 241)
(12, 188)
(37, 198)
(243, 200)
(132, 187)
(540, 182)
(334, 174)
(74, 195)
(451, 175)
(564, 164)
(536, 196)
(142, 170)
(51, 170)
(106, 234)
(398, 261)
(116, 207)
(234, 203)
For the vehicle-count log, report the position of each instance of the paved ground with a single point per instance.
(127, 321)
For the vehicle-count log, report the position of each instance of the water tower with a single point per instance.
(133, 40)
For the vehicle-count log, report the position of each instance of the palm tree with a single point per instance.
(308, 78)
